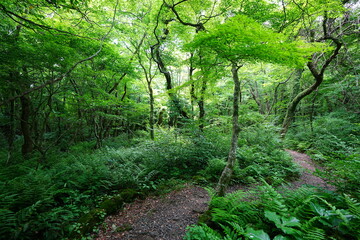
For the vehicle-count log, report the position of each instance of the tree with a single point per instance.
(243, 39)
(330, 29)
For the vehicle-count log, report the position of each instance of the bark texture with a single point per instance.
(229, 168)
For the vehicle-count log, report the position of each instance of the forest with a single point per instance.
(108, 104)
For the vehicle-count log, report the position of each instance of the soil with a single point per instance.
(166, 217)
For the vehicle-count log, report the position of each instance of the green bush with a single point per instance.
(213, 169)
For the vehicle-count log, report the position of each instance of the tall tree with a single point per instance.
(242, 39)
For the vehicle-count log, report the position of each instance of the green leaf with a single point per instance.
(272, 216)
(290, 222)
(281, 237)
(284, 223)
(256, 234)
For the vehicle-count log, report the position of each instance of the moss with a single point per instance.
(129, 195)
(205, 218)
(112, 205)
(199, 179)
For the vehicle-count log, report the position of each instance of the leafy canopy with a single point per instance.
(242, 38)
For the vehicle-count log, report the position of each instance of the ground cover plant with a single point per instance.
(334, 143)
(104, 102)
(264, 213)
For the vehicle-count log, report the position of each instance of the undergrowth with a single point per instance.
(260, 156)
(335, 143)
(46, 200)
(264, 214)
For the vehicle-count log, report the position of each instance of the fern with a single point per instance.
(237, 228)
(314, 234)
(202, 232)
(307, 214)
(272, 200)
(233, 207)
(230, 233)
(7, 223)
(354, 206)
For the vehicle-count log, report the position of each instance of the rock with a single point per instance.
(124, 227)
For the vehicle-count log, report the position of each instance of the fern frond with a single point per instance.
(295, 198)
(233, 208)
(7, 223)
(237, 228)
(315, 234)
(272, 200)
(310, 224)
(354, 206)
(202, 232)
(211, 191)
(303, 209)
(229, 232)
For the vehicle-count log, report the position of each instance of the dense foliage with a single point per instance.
(333, 142)
(104, 101)
(264, 214)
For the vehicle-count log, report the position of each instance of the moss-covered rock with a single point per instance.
(128, 195)
(112, 205)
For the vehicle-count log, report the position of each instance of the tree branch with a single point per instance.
(52, 81)
(11, 15)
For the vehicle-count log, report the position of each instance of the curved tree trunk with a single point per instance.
(229, 168)
(318, 76)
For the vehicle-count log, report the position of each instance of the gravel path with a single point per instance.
(166, 217)
(158, 218)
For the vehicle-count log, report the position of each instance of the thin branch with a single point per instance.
(12, 15)
(137, 48)
(199, 26)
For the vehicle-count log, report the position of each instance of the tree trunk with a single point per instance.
(192, 89)
(318, 76)
(229, 168)
(9, 131)
(151, 120)
(175, 109)
(27, 146)
(201, 104)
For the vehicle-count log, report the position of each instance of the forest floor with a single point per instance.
(166, 217)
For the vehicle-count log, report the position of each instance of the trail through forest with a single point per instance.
(166, 217)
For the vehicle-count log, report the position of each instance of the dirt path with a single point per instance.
(158, 218)
(307, 177)
(166, 218)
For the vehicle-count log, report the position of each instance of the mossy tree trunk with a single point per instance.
(229, 168)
